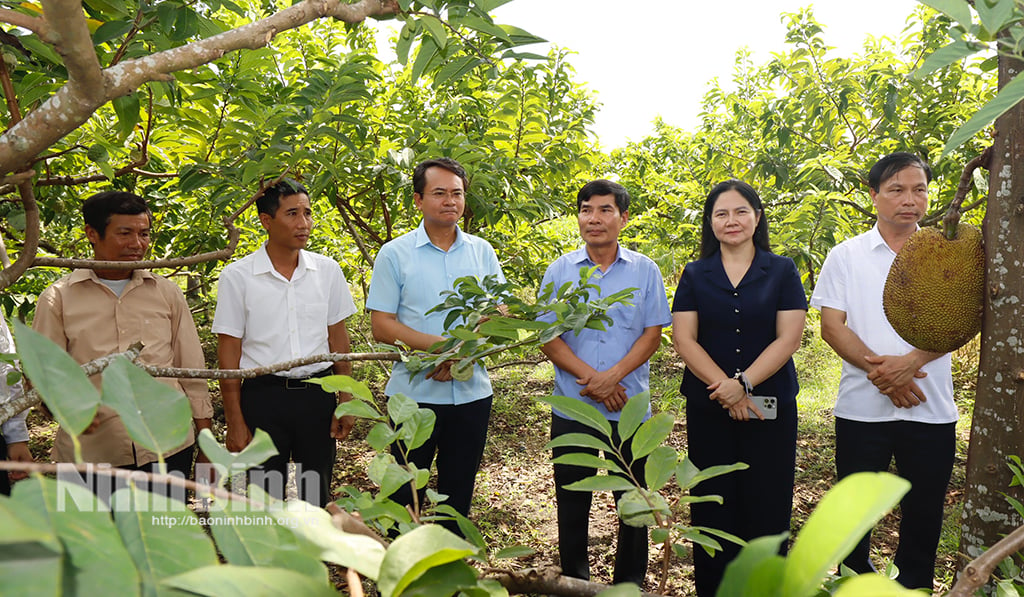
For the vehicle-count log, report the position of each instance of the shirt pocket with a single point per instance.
(629, 316)
(313, 315)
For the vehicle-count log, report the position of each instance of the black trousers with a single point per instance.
(924, 454)
(574, 511)
(458, 439)
(297, 416)
(757, 501)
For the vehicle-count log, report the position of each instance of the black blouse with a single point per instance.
(736, 324)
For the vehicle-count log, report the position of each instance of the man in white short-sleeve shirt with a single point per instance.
(895, 401)
(278, 304)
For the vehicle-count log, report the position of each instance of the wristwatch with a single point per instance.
(742, 377)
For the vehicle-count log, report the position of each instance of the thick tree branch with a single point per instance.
(329, 357)
(89, 87)
(31, 244)
(34, 24)
(977, 573)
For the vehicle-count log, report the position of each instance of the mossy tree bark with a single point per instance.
(998, 426)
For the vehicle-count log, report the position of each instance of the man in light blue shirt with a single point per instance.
(409, 275)
(603, 368)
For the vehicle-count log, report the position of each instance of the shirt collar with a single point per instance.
(81, 275)
(423, 239)
(580, 256)
(876, 240)
(261, 262)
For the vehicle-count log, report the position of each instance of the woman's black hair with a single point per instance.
(709, 244)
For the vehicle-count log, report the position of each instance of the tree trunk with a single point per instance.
(998, 426)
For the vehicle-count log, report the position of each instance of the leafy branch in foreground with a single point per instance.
(485, 317)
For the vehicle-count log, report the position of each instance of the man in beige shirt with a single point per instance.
(93, 313)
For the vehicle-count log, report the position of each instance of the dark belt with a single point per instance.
(288, 383)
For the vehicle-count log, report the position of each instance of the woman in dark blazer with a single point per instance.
(738, 317)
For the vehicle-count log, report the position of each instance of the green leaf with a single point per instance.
(587, 460)
(110, 30)
(68, 394)
(1008, 97)
(380, 436)
(248, 537)
(466, 526)
(633, 414)
(314, 525)
(736, 580)
(601, 483)
(95, 561)
(485, 26)
(401, 408)
(945, 56)
(688, 475)
(127, 109)
(357, 408)
(245, 581)
(995, 17)
(428, 49)
(435, 28)
(344, 384)
(257, 452)
(392, 477)
(456, 69)
(405, 38)
(416, 552)
(579, 440)
(514, 551)
(580, 411)
(842, 517)
(651, 434)
(157, 416)
(30, 552)
(162, 536)
(638, 506)
(660, 466)
(417, 430)
(958, 10)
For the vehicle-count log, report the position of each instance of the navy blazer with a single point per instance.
(736, 324)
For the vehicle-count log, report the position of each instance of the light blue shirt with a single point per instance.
(603, 349)
(409, 275)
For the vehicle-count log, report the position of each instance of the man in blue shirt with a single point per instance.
(603, 368)
(409, 275)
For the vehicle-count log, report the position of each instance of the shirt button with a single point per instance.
(735, 294)
(737, 351)
(737, 330)
(736, 310)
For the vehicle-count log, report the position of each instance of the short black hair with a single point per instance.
(709, 243)
(96, 210)
(419, 174)
(604, 187)
(270, 200)
(887, 167)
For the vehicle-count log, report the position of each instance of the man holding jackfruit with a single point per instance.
(895, 401)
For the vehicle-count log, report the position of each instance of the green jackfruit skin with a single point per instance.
(934, 294)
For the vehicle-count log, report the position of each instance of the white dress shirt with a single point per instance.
(852, 280)
(278, 319)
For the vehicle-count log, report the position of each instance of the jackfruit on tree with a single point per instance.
(934, 295)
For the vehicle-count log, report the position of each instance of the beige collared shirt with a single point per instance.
(87, 319)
